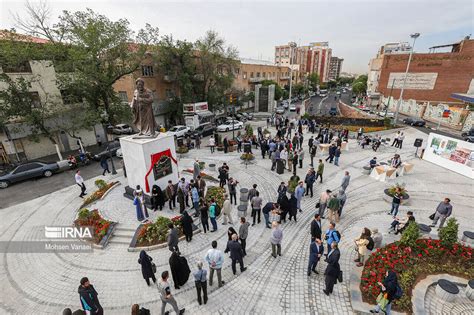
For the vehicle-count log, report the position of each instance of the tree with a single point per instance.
(314, 80)
(298, 89)
(345, 80)
(323, 86)
(360, 85)
(94, 51)
(449, 233)
(278, 89)
(216, 64)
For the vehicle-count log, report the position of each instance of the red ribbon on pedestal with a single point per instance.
(155, 158)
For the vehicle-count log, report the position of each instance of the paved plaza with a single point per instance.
(35, 283)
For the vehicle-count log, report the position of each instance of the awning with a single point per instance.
(468, 98)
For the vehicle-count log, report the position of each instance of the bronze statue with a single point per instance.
(142, 109)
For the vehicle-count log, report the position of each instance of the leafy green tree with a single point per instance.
(298, 89)
(323, 86)
(345, 80)
(359, 87)
(449, 233)
(410, 235)
(278, 89)
(313, 80)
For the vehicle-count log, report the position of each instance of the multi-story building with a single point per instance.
(335, 68)
(251, 72)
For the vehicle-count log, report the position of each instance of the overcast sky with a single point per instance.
(354, 29)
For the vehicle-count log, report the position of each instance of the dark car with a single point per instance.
(248, 116)
(241, 117)
(333, 111)
(203, 131)
(414, 121)
(112, 147)
(28, 171)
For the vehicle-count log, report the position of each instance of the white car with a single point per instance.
(122, 129)
(230, 125)
(292, 107)
(178, 131)
(280, 110)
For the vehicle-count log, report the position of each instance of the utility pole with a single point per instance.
(292, 45)
(388, 103)
(414, 36)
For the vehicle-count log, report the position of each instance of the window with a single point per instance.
(147, 71)
(35, 99)
(123, 96)
(258, 74)
(251, 74)
(22, 67)
(274, 75)
(263, 75)
(244, 75)
(237, 71)
(69, 98)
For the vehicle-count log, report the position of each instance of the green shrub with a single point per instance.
(410, 235)
(387, 122)
(449, 233)
(248, 130)
(83, 214)
(101, 184)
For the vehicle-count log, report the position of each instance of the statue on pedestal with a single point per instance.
(142, 109)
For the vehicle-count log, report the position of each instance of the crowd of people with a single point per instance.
(285, 147)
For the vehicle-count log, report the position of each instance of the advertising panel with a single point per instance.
(415, 81)
(450, 153)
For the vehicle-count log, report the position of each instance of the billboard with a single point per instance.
(453, 154)
(415, 81)
(195, 107)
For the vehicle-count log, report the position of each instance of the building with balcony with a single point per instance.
(335, 67)
(251, 72)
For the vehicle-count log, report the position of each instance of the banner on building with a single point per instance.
(415, 81)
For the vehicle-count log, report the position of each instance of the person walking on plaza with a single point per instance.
(295, 161)
(299, 193)
(104, 164)
(80, 182)
(301, 157)
(201, 186)
(179, 269)
(204, 212)
(389, 288)
(293, 207)
(316, 251)
(362, 243)
(323, 200)
(243, 234)
(396, 200)
(333, 206)
(443, 211)
(173, 238)
(266, 213)
(232, 185)
(227, 210)
(342, 197)
(195, 199)
(166, 296)
(157, 198)
(309, 180)
(187, 224)
(147, 268)
(320, 171)
(196, 169)
(183, 186)
(236, 253)
(276, 238)
(256, 205)
(345, 181)
(312, 153)
(395, 139)
(252, 192)
(332, 236)
(337, 155)
(89, 298)
(399, 144)
(215, 259)
(200, 280)
(213, 214)
(212, 144)
(170, 193)
(333, 268)
(290, 160)
(316, 227)
(332, 152)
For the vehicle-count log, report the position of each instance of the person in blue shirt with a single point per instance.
(331, 235)
(316, 251)
(373, 162)
(299, 193)
(200, 279)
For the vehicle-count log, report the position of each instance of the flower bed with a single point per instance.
(203, 175)
(87, 218)
(102, 186)
(217, 193)
(412, 264)
(366, 128)
(155, 233)
(391, 191)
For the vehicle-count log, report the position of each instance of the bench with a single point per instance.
(468, 237)
(446, 290)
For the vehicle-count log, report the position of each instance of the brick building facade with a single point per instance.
(432, 76)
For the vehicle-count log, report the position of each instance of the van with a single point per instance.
(333, 111)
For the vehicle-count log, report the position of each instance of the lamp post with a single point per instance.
(114, 171)
(414, 36)
(388, 103)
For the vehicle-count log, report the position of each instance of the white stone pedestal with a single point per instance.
(137, 157)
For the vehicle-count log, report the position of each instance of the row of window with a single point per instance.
(271, 75)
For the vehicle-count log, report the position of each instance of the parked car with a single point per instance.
(469, 133)
(292, 107)
(285, 105)
(178, 131)
(241, 117)
(247, 115)
(333, 111)
(111, 146)
(28, 171)
(280, 110)
(230, 125)
(414, 121)
(203, 131)
(122, 129)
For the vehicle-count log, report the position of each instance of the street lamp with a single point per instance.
(292, 45)
(414, 36)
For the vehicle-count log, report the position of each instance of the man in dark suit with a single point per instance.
(316, 227)
(236, 253)
(316, 250)
(333, 269)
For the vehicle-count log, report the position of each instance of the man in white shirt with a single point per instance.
(215, 259)
(80, 183)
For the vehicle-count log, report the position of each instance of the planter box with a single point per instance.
(105, 240)
(405, 201)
